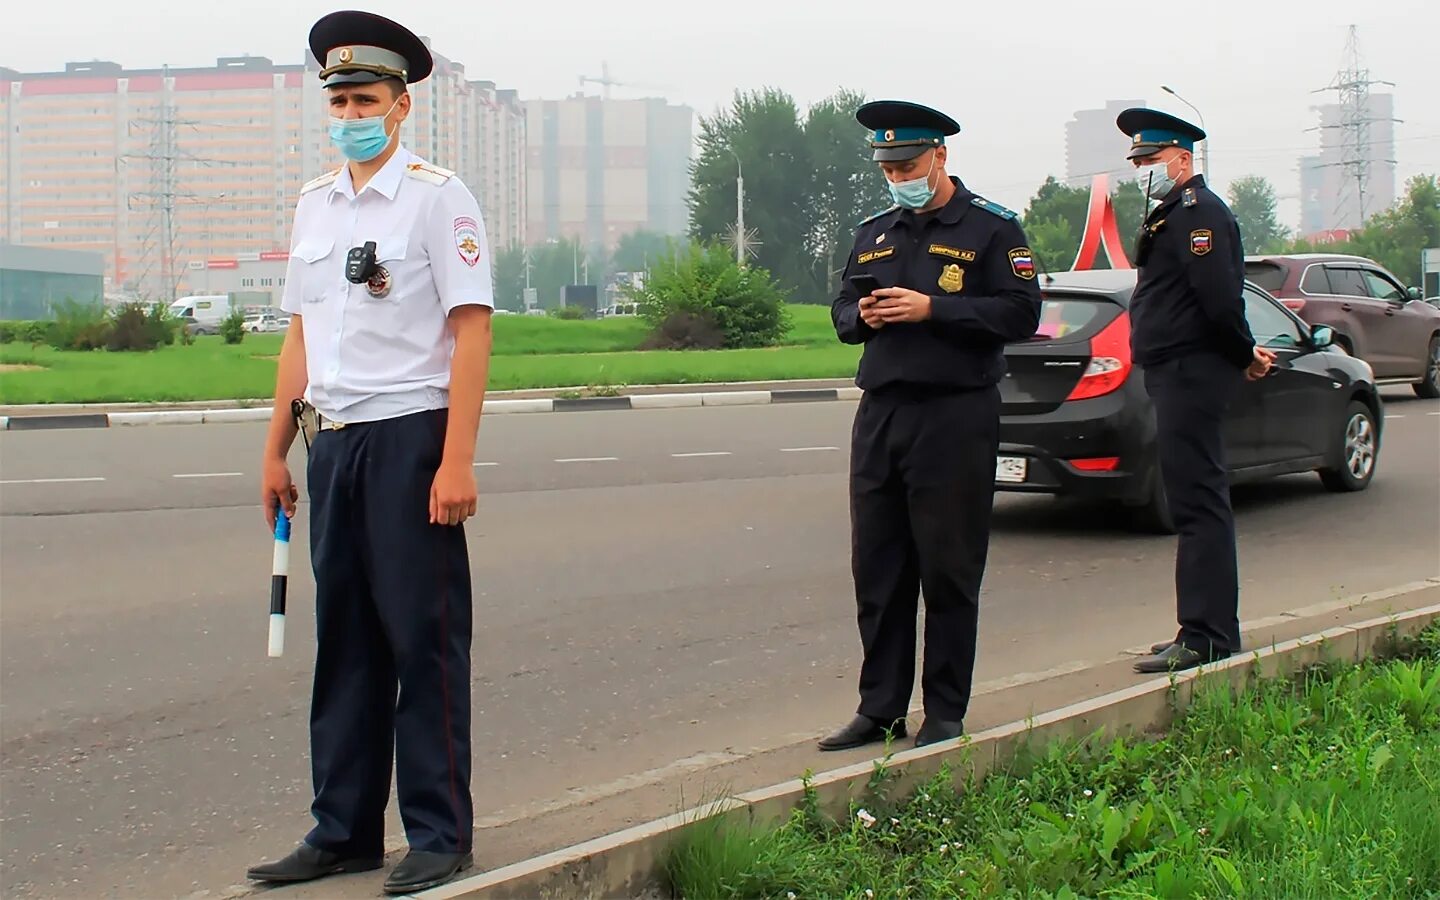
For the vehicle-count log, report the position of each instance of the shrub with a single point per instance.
(79, 326)
(567, 312)
(134, 327)
(35, 332)
(744, 304)
(232, 327)
(685, 330)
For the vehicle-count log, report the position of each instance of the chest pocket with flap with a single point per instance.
(315, 252)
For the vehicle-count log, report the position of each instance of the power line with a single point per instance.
(1352, 84)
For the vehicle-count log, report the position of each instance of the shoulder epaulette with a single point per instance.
(878, 215)
(312, 184)
(994, 208)
(1189, 198)
(428, 173)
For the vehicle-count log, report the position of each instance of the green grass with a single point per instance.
(529, 352)
(1326, 787)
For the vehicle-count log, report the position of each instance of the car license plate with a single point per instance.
(1010, 469)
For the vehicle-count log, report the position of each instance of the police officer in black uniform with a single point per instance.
(934, 289)
(1189, 334)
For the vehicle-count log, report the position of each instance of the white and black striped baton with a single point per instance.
(279, 575)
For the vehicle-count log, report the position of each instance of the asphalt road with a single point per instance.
(651, 587)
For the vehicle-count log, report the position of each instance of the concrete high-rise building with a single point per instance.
(186, 179)
(599, 169)
(1094, 146)
(1331, 195)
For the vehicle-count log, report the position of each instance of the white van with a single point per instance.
(203, 312)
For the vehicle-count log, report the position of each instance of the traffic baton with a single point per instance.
(279, 575)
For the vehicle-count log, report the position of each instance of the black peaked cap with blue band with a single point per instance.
(355, 47)
(901, 130)
(1151, 131)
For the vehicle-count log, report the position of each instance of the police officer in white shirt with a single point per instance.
(390, 298)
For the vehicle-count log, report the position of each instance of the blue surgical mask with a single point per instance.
(361, 139)
(914, 194)
(1155, 181)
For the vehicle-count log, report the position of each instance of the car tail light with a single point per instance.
(1110, 362)
(1293, 304)
(1096, 464)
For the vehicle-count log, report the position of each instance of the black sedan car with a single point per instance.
(1076, 420)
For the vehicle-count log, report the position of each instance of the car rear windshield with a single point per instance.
(1268, 275)
(1073, 317)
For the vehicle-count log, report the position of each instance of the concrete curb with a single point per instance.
(492, 407)
(631, 862)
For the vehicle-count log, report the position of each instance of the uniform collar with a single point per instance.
(385, 182)
(1177, 194)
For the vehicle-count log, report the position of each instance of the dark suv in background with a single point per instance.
(1374, 317)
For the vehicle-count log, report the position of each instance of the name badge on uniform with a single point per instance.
(953, 252)
(379, 282)
(872, 255)
(952, 278)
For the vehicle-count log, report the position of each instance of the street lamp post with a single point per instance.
(739, 209)
(1205, 160)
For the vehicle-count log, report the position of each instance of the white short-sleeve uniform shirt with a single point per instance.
(377, 351)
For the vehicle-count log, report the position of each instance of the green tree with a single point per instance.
(845, 188)
(1054, 221)
(637, 251)
(510, 278)
(1253, 201)
(1396, 237)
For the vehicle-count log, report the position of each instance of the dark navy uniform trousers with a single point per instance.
(1192, 394)
(922, 484)
(393, 613)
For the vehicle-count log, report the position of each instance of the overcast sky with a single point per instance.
(1010, 73)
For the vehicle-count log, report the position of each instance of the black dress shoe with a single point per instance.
(936, 730)
(420, 871)
(862, 730)
(1157, 649)
(1176, 658)
(306, 863)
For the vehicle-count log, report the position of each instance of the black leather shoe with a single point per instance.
(1157, 649)
(306, 863)
(420, 871)
(933, 731)
(862, 730)
(1176, 658)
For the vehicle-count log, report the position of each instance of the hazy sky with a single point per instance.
(1010, 73)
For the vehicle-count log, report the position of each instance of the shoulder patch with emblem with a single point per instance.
(312, 184)
(1022, 263)
(428, 173)
(994, 208)
(877, 215)
(1201, 241)
(467, 240)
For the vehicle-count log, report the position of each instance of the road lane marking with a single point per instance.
(1388, 418)
(485, 464)
(588, 459)
(209, 475)
(806, 449)
(49, 480)
(1433, 414)
(700, 454)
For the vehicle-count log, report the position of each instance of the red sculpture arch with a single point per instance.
(1101, 228)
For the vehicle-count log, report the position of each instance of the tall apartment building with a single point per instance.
(1094, 146)
(186, 179)
(1331, 197)
(599, 169)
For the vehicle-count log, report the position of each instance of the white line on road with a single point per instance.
(1433, 414)
(700, 454)
(209, 475)
(1388, 418)
(49, 480)
(485, 464)
(806, 449)
(585, 459)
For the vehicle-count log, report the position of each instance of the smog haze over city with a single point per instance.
(1012, 74)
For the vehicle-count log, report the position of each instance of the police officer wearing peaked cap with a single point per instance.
(389, 293)
(934, 288)
(1190, 336)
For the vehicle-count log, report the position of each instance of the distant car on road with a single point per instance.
(1374, 318)
(1076, 420)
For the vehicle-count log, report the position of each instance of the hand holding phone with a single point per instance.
(865, 284)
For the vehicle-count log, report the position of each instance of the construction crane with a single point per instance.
(607, 82)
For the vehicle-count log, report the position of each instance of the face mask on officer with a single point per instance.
(1154, 180)
(918, 193)
(362, 139)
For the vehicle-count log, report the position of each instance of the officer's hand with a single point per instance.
(869, 314)
(1260, 366)
(899, 304)
(276, 489)
(453, 497)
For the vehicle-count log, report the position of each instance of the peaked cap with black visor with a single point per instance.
(355, 47)
(1151, 131)
(901, 130)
